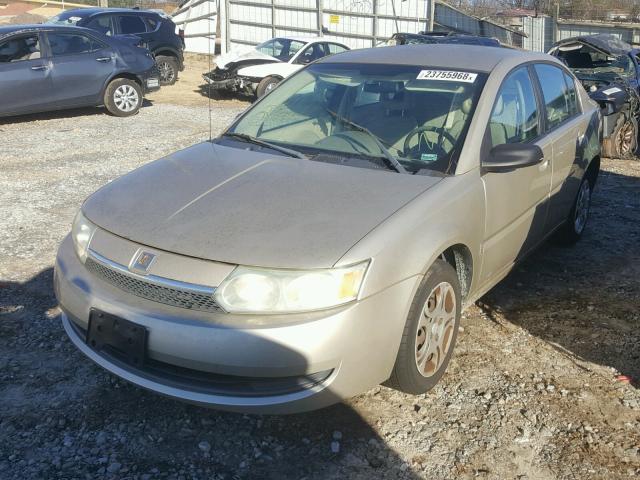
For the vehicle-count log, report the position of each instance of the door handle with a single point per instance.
(39, 67)
(103, 59)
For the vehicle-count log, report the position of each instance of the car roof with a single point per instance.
(308, 39)
(472, 57)
(87, 12)
(9, 29)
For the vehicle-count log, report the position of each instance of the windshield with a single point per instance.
(63, 19)
(416, 115)
(281, 48)
(585, 58)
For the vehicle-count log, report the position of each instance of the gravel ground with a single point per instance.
(531, 393)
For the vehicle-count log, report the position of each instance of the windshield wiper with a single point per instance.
(391, 161)
(262, 143)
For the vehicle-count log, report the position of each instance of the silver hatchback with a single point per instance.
(328, 241)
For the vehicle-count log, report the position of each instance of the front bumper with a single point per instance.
(311, 361)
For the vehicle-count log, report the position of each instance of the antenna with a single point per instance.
(210, 67)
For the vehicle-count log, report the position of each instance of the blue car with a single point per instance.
(49, 67)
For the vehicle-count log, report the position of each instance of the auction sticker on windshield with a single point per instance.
(447, 75)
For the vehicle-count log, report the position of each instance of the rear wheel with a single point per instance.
(123, 97)
(430, 331)
(266, 85)
(168, 67)
(576, 222)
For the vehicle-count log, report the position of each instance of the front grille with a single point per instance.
(177, 297)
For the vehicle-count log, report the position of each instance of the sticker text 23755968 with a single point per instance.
(447, 75)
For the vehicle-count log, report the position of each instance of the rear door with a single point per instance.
(516, 200)
(81, 65)
(25, 75)
(565, 128)
(133, 25)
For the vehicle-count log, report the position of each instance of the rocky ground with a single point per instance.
(534, 390)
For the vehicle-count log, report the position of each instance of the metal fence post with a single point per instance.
(319, 7)
(374, 21)
(227, 24)
(273, 18)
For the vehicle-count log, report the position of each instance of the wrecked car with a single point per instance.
(401, 38)
(608, 69)
(259, 70)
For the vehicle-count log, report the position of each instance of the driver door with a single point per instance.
(517, 201)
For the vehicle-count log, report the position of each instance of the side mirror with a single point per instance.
(509, 156)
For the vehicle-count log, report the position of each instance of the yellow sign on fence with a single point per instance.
(334, 19)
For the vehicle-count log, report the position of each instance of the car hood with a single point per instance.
(234, 57)
(606, 43)
(243, 207)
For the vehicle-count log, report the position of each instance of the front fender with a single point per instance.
(407, 243)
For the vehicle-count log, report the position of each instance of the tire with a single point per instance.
(576, 222)
(416, 347)
(123, 97)
(169, 69)
(623, 142)
(266, 85)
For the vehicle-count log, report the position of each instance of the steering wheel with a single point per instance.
(442, 133)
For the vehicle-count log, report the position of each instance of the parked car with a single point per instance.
(435, 37)
(330, 238)
(49, 67)
(158, 32)
(609, 70)
(259, 70)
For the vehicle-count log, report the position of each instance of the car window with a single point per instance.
(101, 24)
(130, 24)
(18, 49)
(351, 111)
(152, 23)
(335, 48)
(555, 93)
(281, 48)
(572, 94)
(515, 114)
(311, 53)
(71, 44)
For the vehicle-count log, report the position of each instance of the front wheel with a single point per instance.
(266, 85)
(430, 331)
(623, 141)
(576, 222)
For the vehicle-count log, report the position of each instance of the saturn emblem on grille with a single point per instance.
(142, 261)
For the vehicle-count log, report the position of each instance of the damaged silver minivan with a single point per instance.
(328, 241)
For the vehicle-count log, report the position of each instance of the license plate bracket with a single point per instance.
(119, 337)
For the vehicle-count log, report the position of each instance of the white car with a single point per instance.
(258, 70)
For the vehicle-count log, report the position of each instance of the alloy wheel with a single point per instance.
(435, 329)
(582, 207)
(167, 73)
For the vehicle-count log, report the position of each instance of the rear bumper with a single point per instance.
(150, 80)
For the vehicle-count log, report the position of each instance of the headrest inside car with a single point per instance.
(383, 87)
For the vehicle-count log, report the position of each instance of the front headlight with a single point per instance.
(260, 290)
(81, 232)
